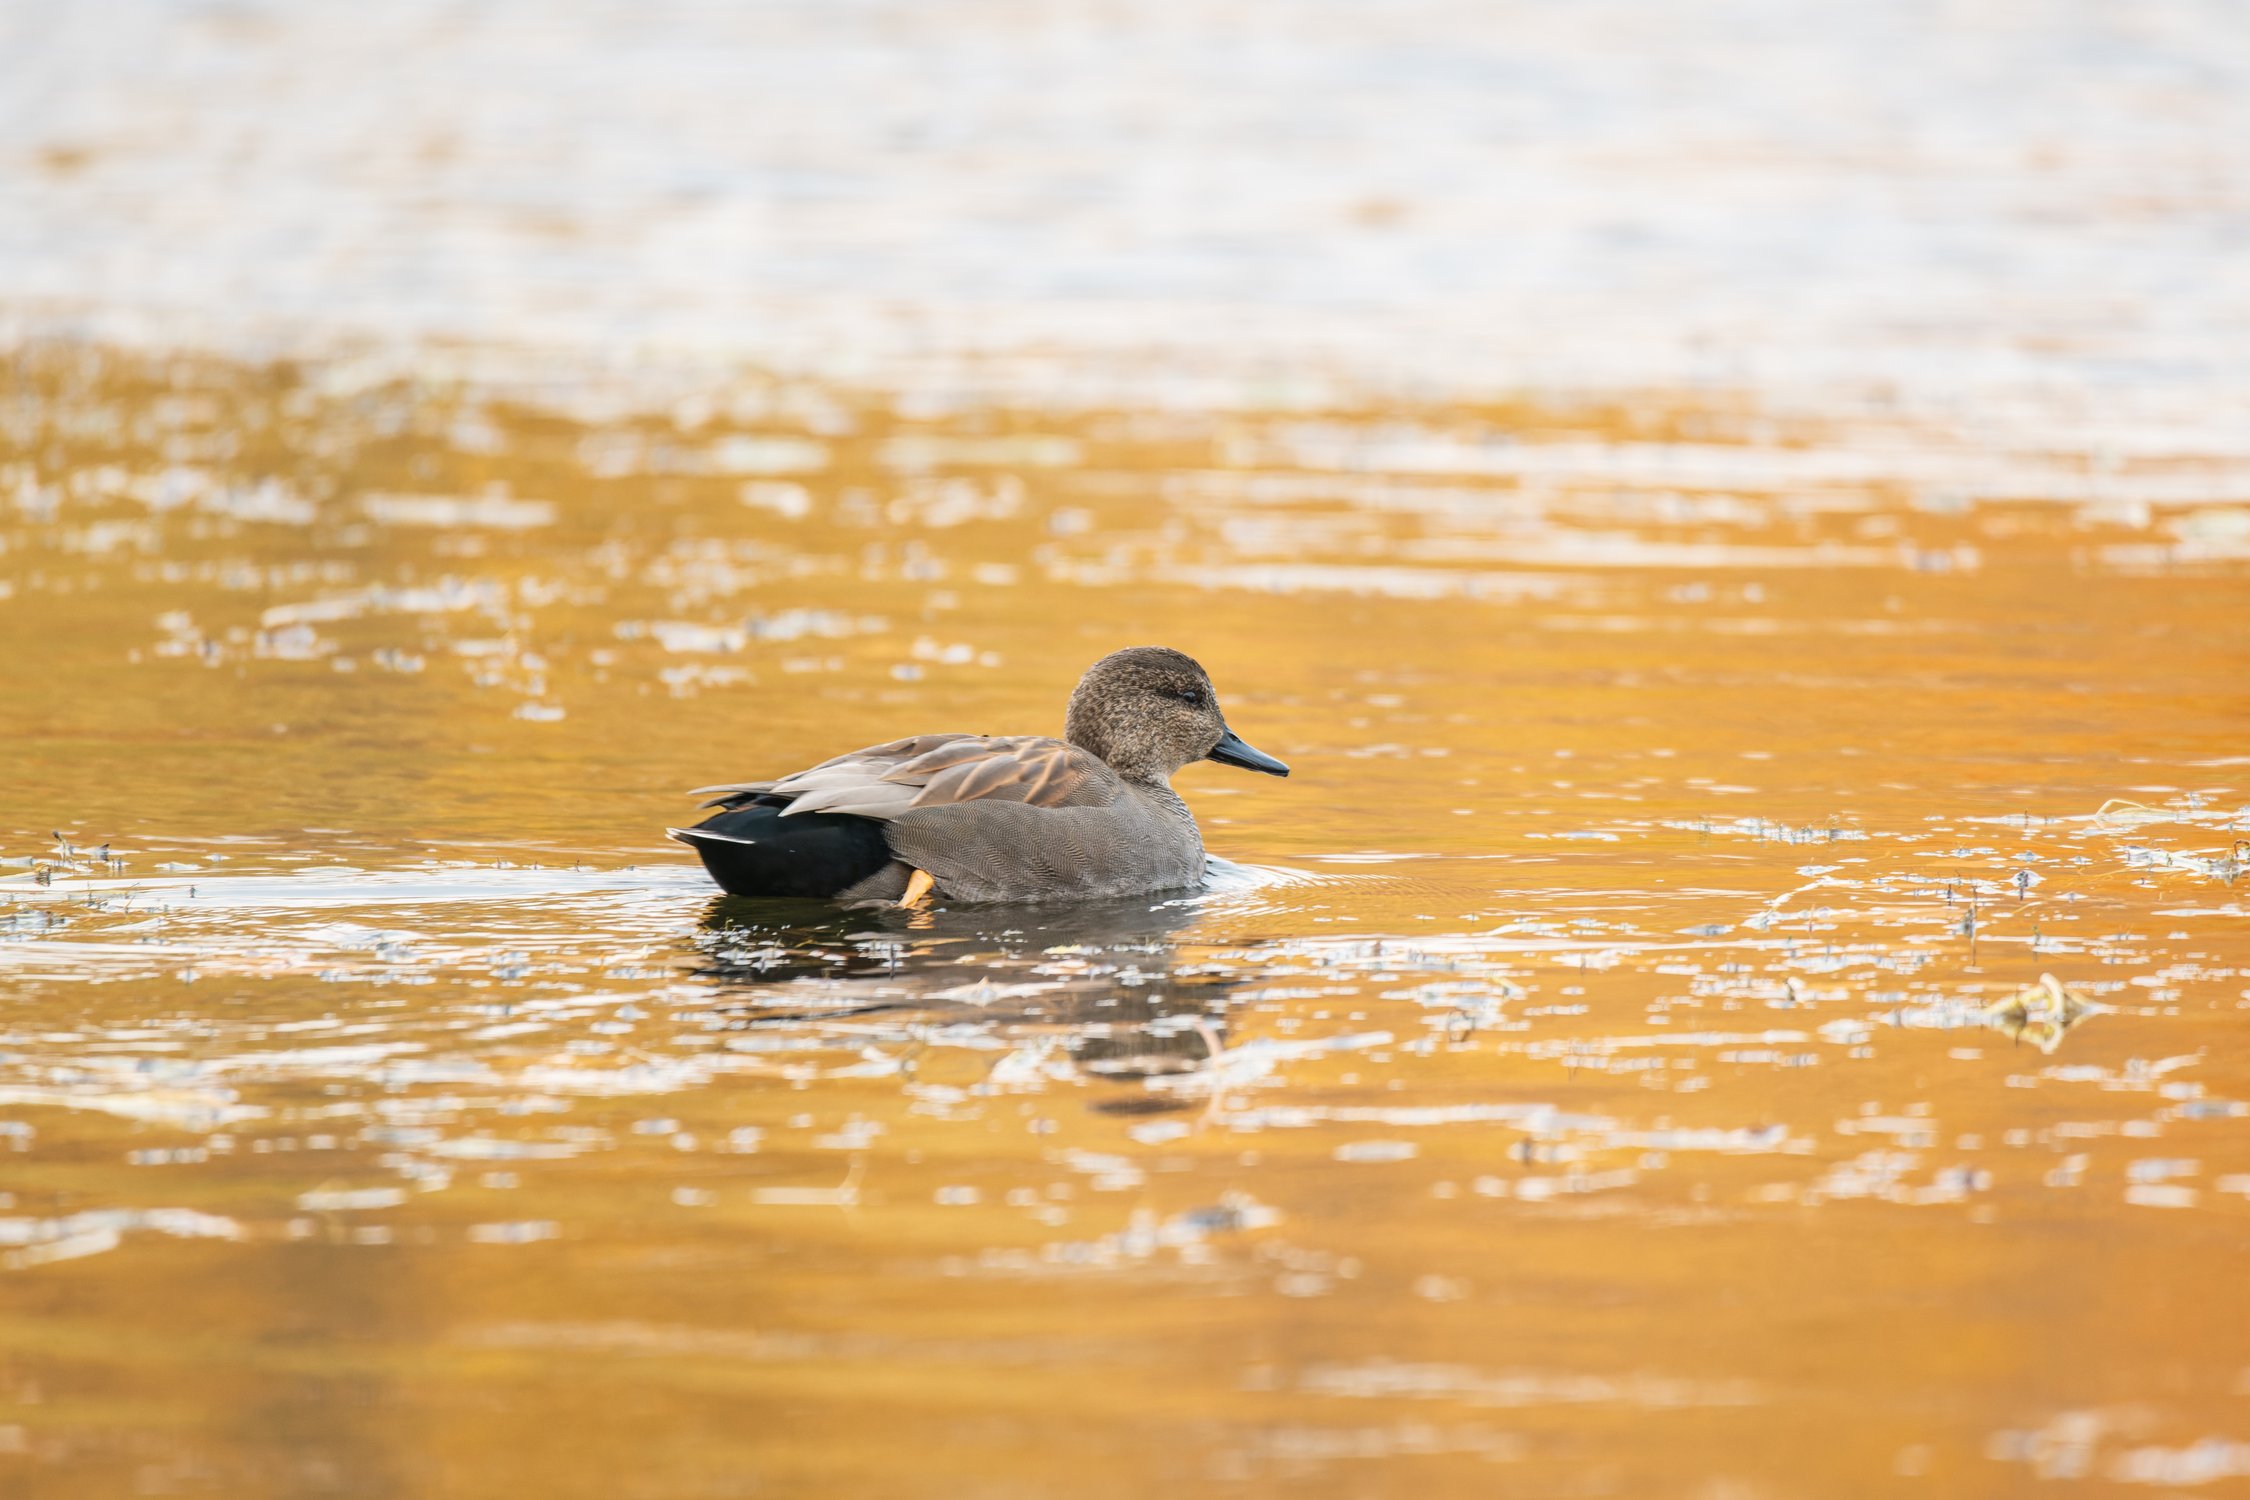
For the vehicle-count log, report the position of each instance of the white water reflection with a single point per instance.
(2037, 205)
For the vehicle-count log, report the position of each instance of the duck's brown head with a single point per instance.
(1149, 710)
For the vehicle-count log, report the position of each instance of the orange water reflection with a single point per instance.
(1611, 1064)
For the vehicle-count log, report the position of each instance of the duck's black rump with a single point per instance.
(755, 851)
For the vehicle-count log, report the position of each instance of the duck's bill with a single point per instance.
(1232, 751)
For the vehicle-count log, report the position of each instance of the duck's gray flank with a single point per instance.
(993, 818)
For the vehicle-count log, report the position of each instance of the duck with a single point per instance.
(992, 818)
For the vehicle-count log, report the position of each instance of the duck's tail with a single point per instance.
(755, 851)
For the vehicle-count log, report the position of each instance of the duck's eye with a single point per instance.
(1192, 697)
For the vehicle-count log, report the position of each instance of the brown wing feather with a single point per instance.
(956, 750)
(876, 760)
(1037, 772)
(929, 770)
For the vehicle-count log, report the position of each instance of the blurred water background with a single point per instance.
(2024, 202)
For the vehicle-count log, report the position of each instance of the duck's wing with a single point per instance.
(887, 781)
(733, 794)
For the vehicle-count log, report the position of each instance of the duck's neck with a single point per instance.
(1091, 734)
(1152, 779)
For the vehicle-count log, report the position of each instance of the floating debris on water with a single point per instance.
(2041, 1013)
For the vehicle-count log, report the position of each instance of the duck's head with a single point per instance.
(1149, 710)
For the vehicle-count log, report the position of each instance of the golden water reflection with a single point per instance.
(1618, 1061)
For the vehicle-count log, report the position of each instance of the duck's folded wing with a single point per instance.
(885, 782)
(733, 794)
(863, 764)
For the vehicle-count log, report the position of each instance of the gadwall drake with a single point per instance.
(992, 817)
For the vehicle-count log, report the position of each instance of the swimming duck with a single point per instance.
(977, 817)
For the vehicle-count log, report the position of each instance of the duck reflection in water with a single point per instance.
(1097, 989)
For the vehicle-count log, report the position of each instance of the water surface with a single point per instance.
(1613, 1063)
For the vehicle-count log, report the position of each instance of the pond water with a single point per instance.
(1738, 515)
(1618, 1061)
